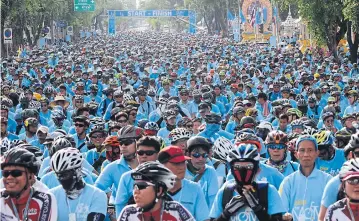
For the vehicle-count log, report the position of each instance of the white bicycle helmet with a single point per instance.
(151, 126)
(179, 133)
(349, 169)
(265, 125)
(221, 148)
(244, 152)
(66, 159)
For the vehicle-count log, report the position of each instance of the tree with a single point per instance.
(351, 13)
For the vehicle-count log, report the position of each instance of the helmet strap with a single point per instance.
(153, 203)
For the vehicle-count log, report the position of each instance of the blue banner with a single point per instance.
(151, 13)
(241, 15)
(230, 16)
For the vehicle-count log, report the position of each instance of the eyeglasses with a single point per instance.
(13, 173)
(198, 155)
(353, 181)
(127, 142)
(97, 136)
(147, 152)
(122, 121)
(247, 166)
(79, 125)
(142, 185)
(79, 102)
(329, 121)
(276, 146)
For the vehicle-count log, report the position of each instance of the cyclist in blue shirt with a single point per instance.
(276, 143)
(301, 191)
(81, 201)
(111, 175)
(330, 159)
(237, 115)
(170, 118)
(97, 153)
(198, 171)
(242, 199)
(186, 192)
(147, 150)
(81, 123)
(4, 131)
(332, 191)
(353, 102)
(11, 124)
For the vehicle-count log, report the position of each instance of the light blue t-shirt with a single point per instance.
(332, 166)
(208, 183)
(192, 198)
(301, 195)
(51, 181)
(111, 175)
(267, 174)
(90, 200)
(275, 205)
(331, 191)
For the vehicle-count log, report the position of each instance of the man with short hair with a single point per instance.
(302, 190)
(147, 150)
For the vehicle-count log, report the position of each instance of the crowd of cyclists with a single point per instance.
(163, 126)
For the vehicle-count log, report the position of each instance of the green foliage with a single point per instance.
(351, 12)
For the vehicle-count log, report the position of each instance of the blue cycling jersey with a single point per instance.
(332, 166)
(330, 194)
(208, 183)
(275, 205)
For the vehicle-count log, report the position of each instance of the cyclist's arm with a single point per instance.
(98, 208)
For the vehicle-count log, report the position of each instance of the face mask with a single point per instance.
(244, 175)
(213, 127)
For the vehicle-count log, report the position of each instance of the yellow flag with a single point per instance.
(19, 52)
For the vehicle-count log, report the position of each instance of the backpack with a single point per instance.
(261, 187)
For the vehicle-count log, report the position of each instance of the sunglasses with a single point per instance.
(142, 185)
(97, 136)
(329, 121)
(247, 166)
(127, 142)
(13, 173)
(147, 152)
(276, 146)
(353, 181)
(79, 102)
(79, 125)
(198, 155)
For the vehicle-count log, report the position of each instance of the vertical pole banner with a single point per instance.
(111, 23)
(192, 22)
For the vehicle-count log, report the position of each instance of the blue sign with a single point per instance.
(61, 24)
(8, 33)
(150, 13)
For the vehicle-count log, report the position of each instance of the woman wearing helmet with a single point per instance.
(67, 165)
(330, 158)
(276, 143)
(243, 195)
(347, 208)
(152, 181)
(198, 171)
(19, 197)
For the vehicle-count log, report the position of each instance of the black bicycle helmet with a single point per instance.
(212, 118)
(20, 157)
(82, 118)
(198, 141)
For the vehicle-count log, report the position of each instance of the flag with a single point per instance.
(243, 19)
(23, 53)
(275, 14)
(253, 16)
(230, 16)
(19, 52)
